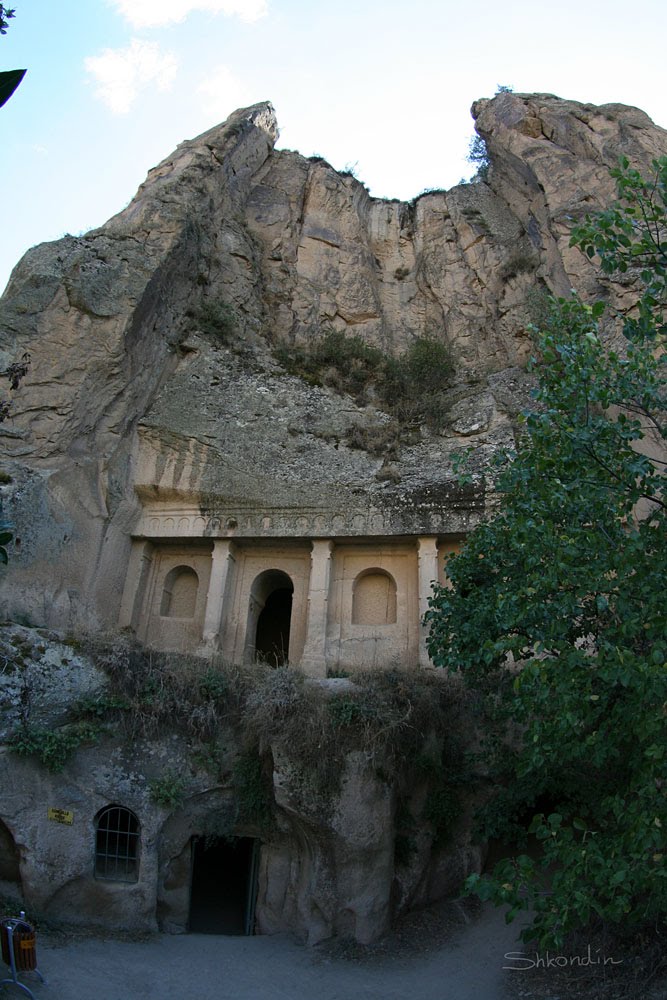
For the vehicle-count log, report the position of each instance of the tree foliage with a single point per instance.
(478, 155)
(6, 13)
(557, 614)
(9, 79)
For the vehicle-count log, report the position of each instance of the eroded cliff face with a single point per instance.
(132, 398)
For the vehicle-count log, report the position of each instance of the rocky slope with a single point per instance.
(152, 339)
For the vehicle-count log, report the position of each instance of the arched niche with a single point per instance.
(179, 593)
(374, 598)
(269, 618)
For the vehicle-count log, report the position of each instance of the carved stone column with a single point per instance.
(313, 660)
(427, 555)
(219, 589)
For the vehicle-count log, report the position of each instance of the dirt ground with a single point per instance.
(467, 965)
(445, 953)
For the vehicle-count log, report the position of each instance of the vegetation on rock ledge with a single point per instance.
(413, 728)
(410, 387)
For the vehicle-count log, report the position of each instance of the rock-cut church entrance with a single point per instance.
(224, 885)
(270, 617)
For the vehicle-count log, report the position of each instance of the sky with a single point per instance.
(382, 88)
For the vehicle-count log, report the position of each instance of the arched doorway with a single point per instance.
(269, 618)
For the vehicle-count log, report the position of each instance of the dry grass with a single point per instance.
(412, 387)
(382, 440)
(389, 716)
(153, 693)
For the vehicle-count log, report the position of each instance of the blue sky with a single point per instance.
(384, 87)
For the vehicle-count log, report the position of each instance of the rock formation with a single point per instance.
(174, 464)
(130, 401)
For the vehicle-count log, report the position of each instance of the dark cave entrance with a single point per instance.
(273, 628)
(224, 885)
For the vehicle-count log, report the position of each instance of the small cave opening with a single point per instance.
(224, 885)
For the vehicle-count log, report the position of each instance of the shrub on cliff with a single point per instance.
(411, 387)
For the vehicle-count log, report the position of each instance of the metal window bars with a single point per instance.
(117, 845)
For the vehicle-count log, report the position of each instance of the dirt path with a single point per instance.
(203, 967)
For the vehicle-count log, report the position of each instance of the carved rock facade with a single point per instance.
(169, 475)
(137, 418)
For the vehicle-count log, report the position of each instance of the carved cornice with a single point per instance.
(240, 522)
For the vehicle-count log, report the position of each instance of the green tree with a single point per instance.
(478, 155)
(557, 612)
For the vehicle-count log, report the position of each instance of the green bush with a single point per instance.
(99, 706)
(381, 440)
(518, 262)
(345, 711)
(216, 319)
(155, 692)
(478, 155)
(429, 364)
(411, 387)
(213, 685)
(217, 707)
(169, 790)
(347, 364)
(53, 747)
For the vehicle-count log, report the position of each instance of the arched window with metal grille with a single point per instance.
(117, 841)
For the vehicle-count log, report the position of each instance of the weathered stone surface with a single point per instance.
(41, 677)
(327, 866)
(128, 397)
(155, 413)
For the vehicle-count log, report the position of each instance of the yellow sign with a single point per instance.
(61, 816)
